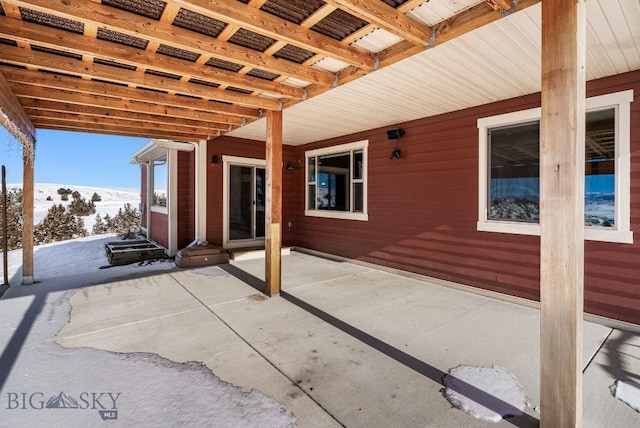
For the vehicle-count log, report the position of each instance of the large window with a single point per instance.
(336, 181)
(510, 170)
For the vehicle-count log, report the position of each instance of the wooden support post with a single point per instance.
(28, 154)
(5, 231)
(273, 218)
(562, 135)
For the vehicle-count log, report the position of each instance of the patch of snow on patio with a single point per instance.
(628, 393)
(489, 393)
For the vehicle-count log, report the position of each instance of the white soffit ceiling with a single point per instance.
(496, 62)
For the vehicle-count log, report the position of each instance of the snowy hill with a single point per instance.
(112, 200)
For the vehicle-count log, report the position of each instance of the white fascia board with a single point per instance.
(155, 148)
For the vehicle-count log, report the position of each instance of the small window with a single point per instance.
(336, 181)
(160, 181)
(510, 170)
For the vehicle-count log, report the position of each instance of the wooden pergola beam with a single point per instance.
(500, 6)
(79, 119)
(260, 22)
(562, 131)
(117, 130)
(37, 107)
(87, 46)
(12, 115)
(77, 91)
(102, 16)
(51, 62)
(388, 18)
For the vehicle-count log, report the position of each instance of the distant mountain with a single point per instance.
(62, 401)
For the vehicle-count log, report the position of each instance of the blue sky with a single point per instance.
(75, 158)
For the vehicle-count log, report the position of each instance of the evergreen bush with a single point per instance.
(80, 207)
(59, 225)
(14, 218)
(99, 227)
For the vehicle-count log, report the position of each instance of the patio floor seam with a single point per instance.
(257, 351)
(127, 324)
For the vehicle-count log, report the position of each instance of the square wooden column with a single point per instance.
(273, 217)
(28, 154)
(562, 132)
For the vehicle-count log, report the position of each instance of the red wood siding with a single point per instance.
(159, 228)
(186, 198)
(423, 212)
(143, 195)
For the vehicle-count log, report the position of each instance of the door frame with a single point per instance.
(227, 161)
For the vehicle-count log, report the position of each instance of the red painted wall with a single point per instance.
(159, 228)
(423, 209)
(186, 198)
(423, 212)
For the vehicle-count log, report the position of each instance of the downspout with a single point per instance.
(149, 199)
(200, 199)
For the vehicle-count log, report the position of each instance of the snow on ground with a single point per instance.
(489, 393)
(75, 256)
(112, 200)
(628, 393)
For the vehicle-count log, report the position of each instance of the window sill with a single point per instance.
(590, 233)
(337, 214)
(158, 209)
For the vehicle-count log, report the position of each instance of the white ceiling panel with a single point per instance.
(435, 11)
(377, 40)
(498, 61)
(330, 64)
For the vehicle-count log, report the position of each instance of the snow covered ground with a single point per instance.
(112, 200)
(75, 256)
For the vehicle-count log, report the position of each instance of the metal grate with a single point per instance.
(294, 53)
(199, 23)
(51, 21)
(251, 40)
(122, 39)
(294, 11)
(178, 53)
(338, 25)
(149, 8)
(263, 74)
(225, 65)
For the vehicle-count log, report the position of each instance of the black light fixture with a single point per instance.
(394, 134)
(395, 154)
(289, 165)
(214, 159)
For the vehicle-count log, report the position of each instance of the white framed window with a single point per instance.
(160, 181)
(509, 162)
(336, 181)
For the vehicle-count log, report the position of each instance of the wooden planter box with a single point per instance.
(201, 255)
(132, 251)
